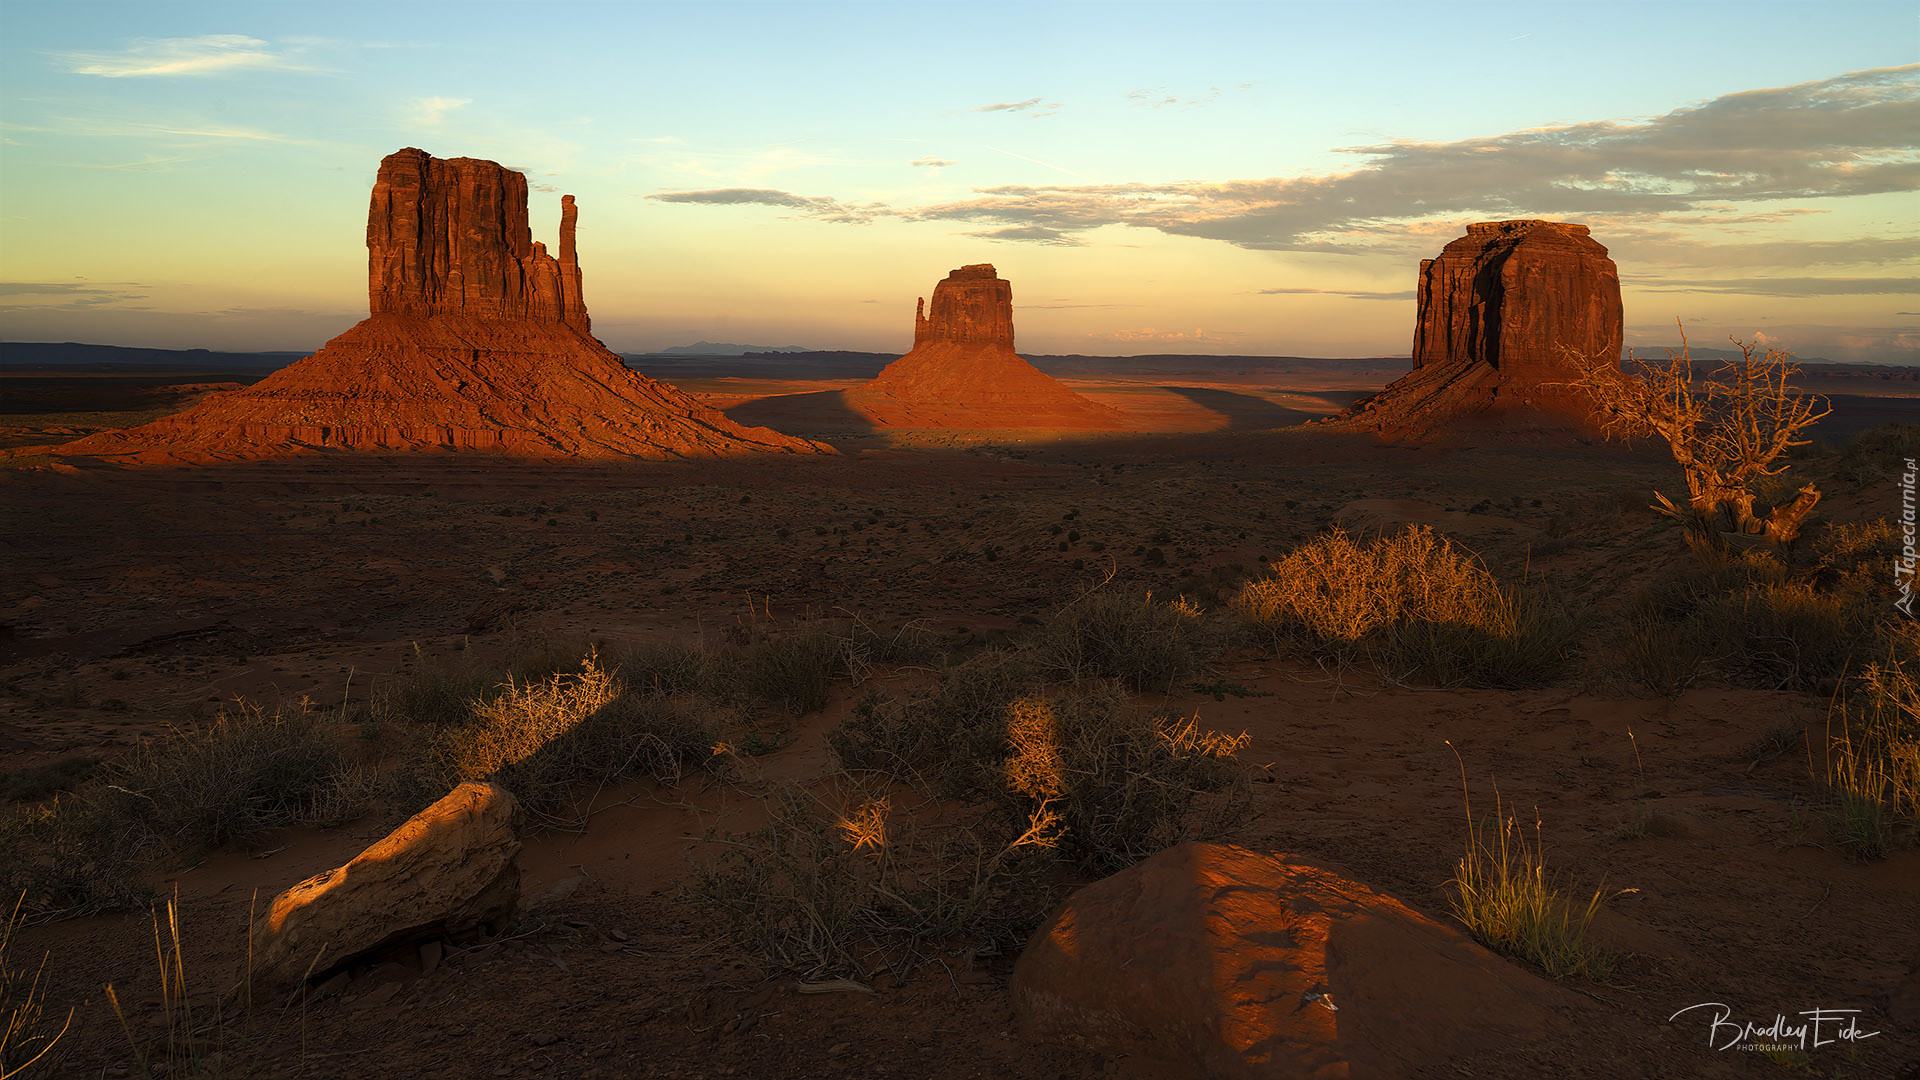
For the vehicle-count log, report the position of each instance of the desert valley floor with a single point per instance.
(132, 600)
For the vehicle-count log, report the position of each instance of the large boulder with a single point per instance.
(451, 869)
(1226, 961)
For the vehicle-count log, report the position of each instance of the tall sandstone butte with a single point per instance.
(963, 373)
(451, 238)
(476, 339)
(1507, 313)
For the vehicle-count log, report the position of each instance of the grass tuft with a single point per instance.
(1502, 894)
(24, 1039)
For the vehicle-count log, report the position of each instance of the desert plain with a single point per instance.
(139, 600)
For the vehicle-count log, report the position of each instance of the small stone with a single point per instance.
(543, 1038)
(430, 954)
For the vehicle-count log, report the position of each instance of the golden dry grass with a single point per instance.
(1415, 605)
(1503, 895)
(1339, 589)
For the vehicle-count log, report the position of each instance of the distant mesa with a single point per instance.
(716, 348)
(1505, 314)
(963, 372)
(477, 339)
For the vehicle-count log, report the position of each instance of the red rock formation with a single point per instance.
(477, 340)
(963, 372)
(1505, 312)
(451, 238)
(1228, 963)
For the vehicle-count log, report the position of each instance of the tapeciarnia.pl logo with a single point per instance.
(1903, 570)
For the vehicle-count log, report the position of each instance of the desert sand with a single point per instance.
(142, 599)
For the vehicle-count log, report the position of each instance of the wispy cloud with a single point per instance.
(429, 111)
(1832, 138)
(187, 130)
(45, 295)
(207, 54)
(1034, 107)
(931, 162)
(1795, 286)
(1032, 234)
(1157, 98)
(816, 206)
(1007, 106)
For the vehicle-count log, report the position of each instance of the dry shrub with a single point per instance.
(1524, 639)
(542, 740)
(439, 691)
(841, 884)
(668, 668)
(1767, 635)
(1126, 635)
(1338, 590)
(1123, 780)
(1730, 430)
(1874, 760)
(225, 782)
(958, 731)
(794, 670)
(1033, 761)
(1783, 636)
(864, 644)
(1414, 604)
(187, 791)
(1853, 560)
(1877, 455)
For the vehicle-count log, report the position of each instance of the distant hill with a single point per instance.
(714, 348)
(73, 356)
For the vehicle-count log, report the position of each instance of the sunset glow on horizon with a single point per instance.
(1215, 178)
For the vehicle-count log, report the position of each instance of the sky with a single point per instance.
(1195, 177)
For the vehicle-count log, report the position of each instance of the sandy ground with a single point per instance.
(131, 600)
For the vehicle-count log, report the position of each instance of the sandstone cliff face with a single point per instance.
(974, 305)
(1514, 294)
(451, 238)
(1499, 312)
(963, 372)
(477, 340)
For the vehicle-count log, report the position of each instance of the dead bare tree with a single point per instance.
(1728, 430)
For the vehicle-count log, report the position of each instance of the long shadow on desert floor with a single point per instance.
(821, 412)
(1242, 411)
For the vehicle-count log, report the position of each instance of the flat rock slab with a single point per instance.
(1224, 960)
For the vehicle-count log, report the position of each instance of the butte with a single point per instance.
(476, 339)
(963, 372)
(1509, 315)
